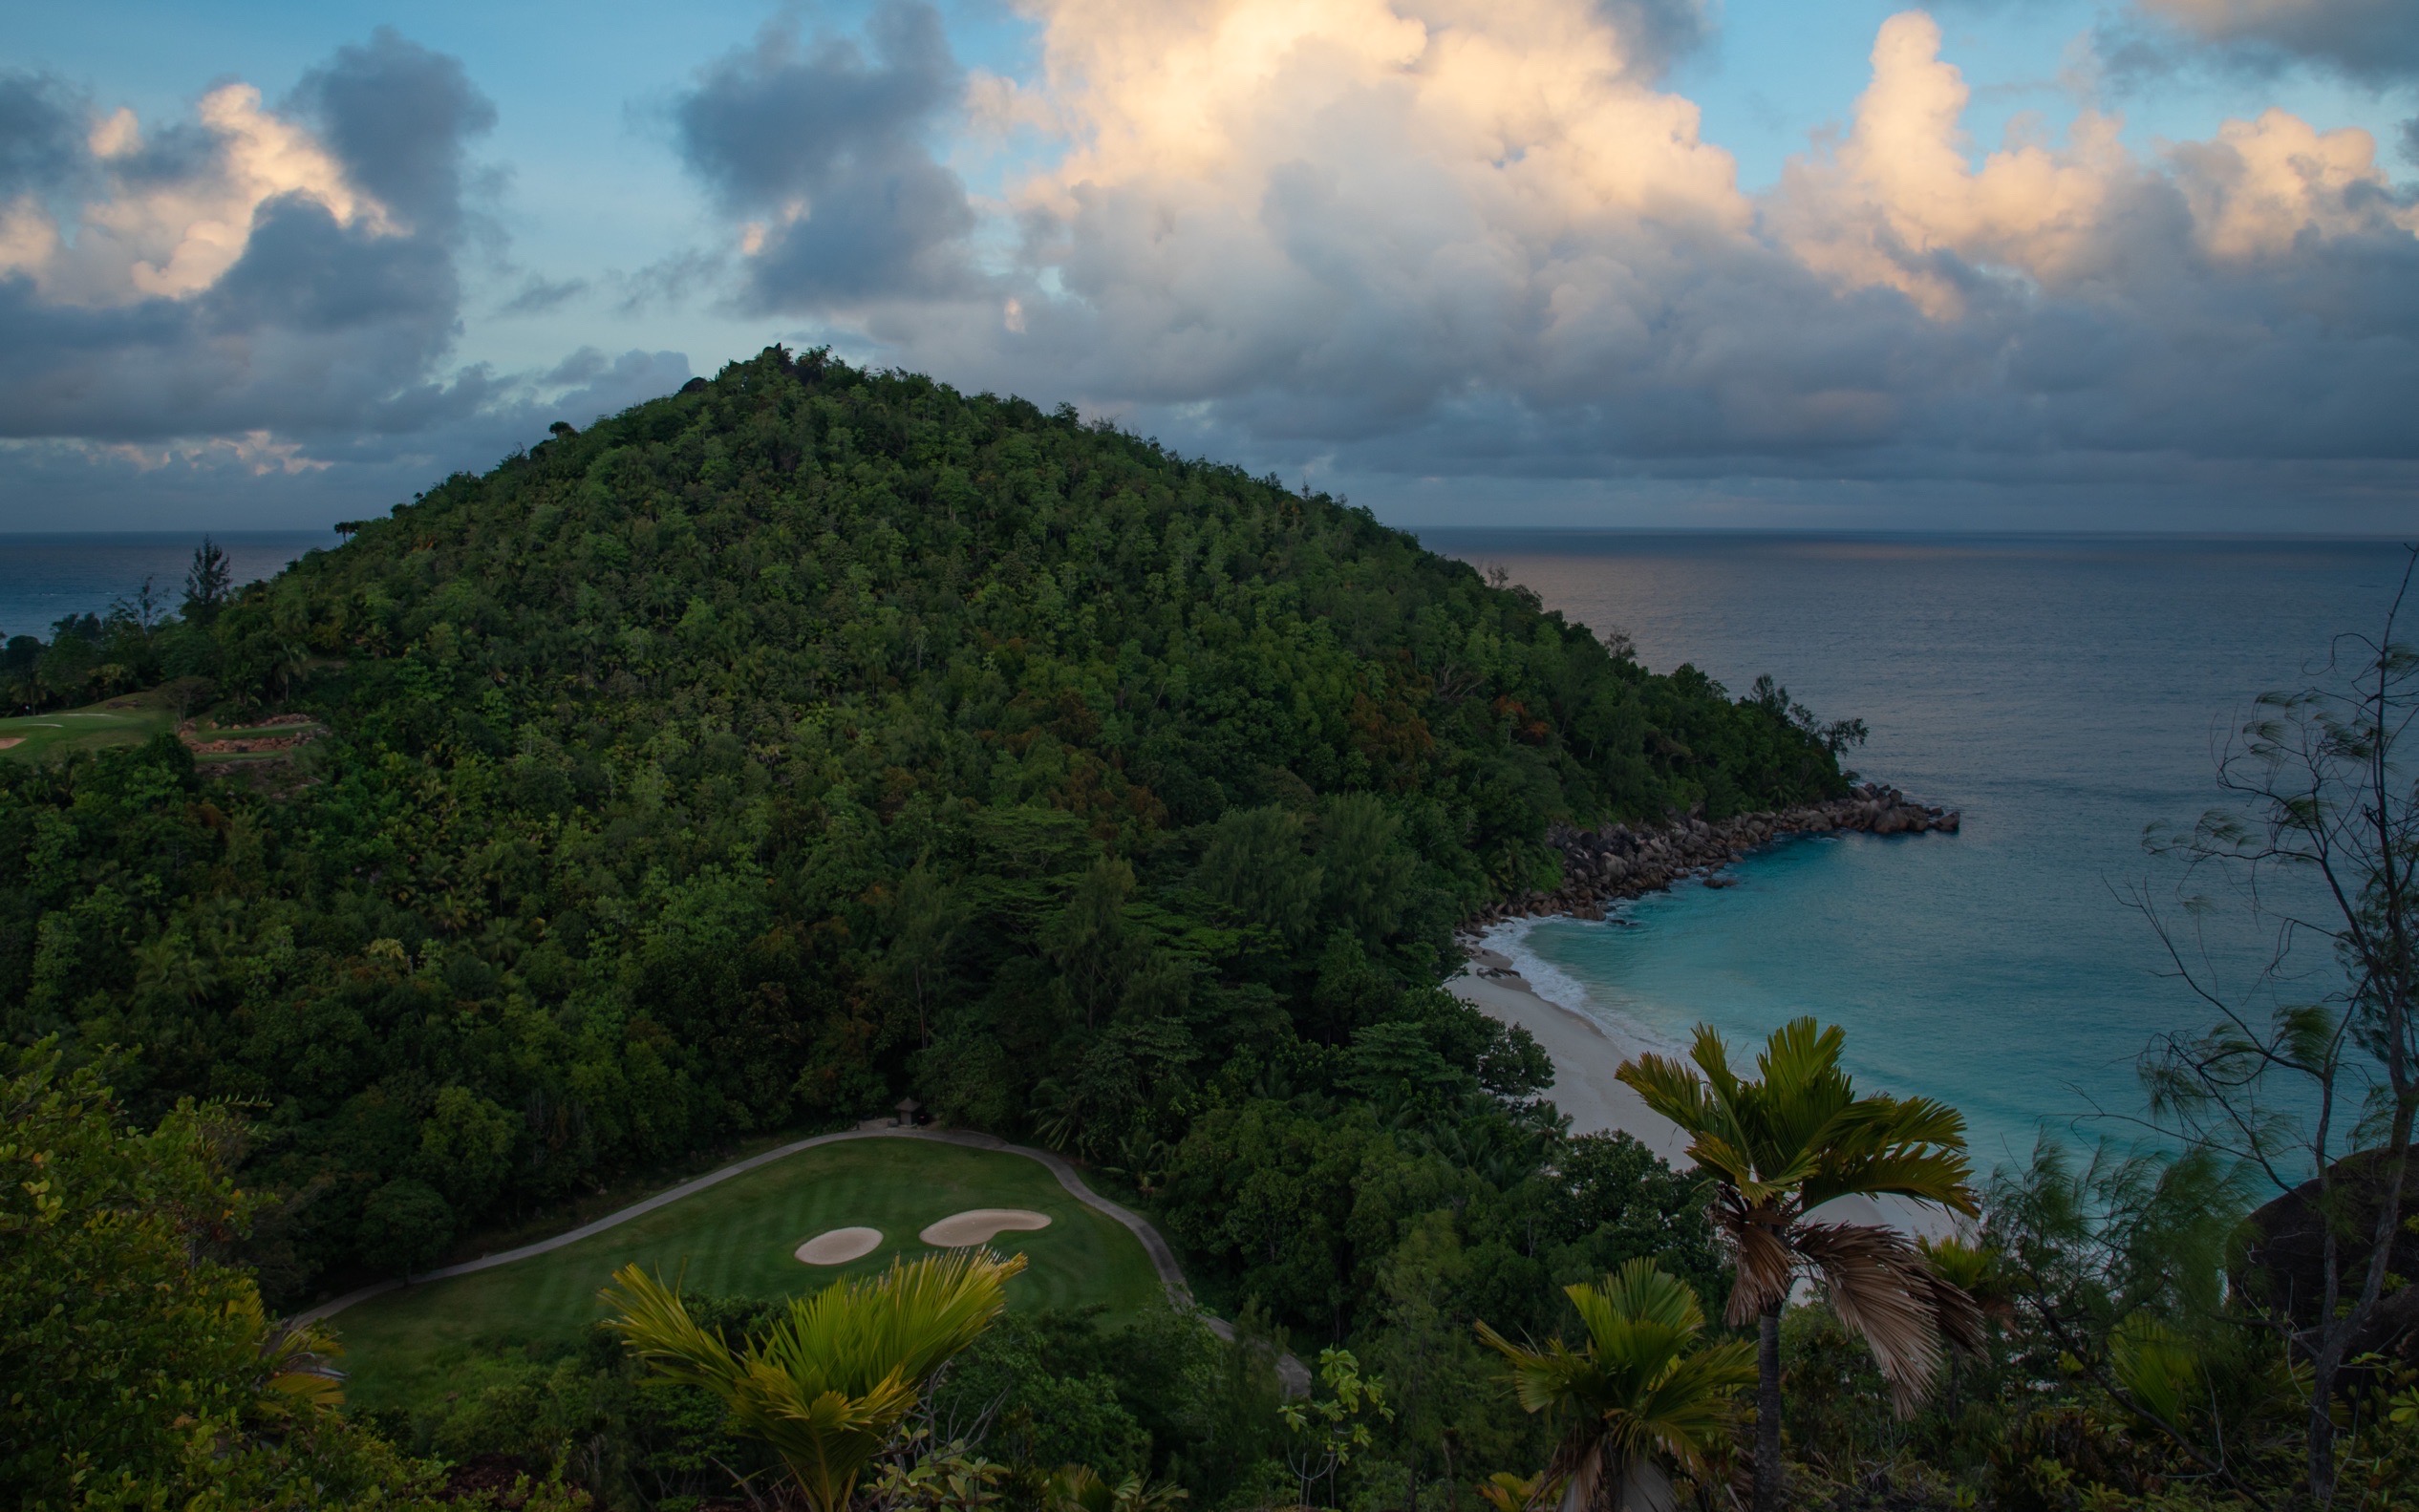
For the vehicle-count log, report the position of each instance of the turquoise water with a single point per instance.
(2063, 692)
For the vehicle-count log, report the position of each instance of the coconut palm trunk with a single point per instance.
(1767, 1409)
(1779, 1147)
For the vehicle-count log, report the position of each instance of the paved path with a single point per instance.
(1292, 1373)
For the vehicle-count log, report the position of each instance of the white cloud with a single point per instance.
(155, 235)
(1433, 237)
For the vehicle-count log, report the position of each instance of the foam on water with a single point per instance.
(2064, 694)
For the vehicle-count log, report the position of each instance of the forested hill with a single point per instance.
(814, 735)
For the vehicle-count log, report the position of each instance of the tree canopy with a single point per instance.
(814, 735)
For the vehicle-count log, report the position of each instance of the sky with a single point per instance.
(2135, 265)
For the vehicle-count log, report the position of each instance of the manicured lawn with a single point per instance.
(125, 721)
(736, 1239)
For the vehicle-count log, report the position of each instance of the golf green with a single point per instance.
(737, 1238)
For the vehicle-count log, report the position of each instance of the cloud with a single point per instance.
(259, 304)
(2371, 40)
(42, 134)
(1655, 33)
(821, 153)
(250, 270)
(539, 295)
(1460, 240)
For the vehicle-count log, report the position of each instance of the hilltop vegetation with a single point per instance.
(816, 736)
(813, 737)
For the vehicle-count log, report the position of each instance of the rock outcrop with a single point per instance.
(1617, 862)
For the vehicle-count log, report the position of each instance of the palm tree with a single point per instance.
(1779, 1147)
(829, 1385)
(1080, 1488)
(1637, 1390)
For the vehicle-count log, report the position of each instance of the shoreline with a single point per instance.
(1616, 862)
(1585, 1053)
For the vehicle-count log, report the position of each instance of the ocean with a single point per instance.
(46, 578)
(2064, 692)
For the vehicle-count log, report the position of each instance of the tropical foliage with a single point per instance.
(1781, 1146)
(827, 1386)
(136, 1368)
(817, 735)
(1643, 1388)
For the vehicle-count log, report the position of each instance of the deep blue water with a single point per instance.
(45, 578)
(2063, 692)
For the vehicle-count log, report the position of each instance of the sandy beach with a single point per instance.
(1586, 1053)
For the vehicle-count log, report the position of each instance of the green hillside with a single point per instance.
(815, 736)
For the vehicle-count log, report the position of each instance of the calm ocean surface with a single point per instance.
(2064, 692)
(45, 578)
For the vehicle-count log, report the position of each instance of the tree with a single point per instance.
(1637, 1387)
(1077, 1488)
(136, 1369)
(924, 923)
(405, 1226)
(1330, 1430)
(2322, 838)
(1779, 1147)
(206, 583)
(830, 1383)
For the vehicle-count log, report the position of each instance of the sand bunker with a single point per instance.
(839, 1246)
(6, 741)
(981, 1225)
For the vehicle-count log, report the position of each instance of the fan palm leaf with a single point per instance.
(1781, 1145)
(828, 1385)
(1637, 1389)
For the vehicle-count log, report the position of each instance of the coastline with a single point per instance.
(1585, 1054)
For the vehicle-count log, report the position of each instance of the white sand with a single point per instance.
(1586, 1053)
(978, 1224)
(839, 1246)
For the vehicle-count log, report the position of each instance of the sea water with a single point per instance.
(47, 578)
(2063, 693)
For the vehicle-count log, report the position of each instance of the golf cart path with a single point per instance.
(1291, 1371)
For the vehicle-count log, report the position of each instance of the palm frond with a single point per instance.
(1884, 1292)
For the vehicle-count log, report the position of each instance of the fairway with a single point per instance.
(119, 722)
(737, 1239)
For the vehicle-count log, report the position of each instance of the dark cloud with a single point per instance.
(1357, 299)
(321, 324)
(408, 438)
(2372, 40)
(669, 282)
(824, 149)
(538, 295)
(2410, 135)
(397, 116)
(1656, 33)
(42, 129)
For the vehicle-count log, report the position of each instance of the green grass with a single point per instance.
(736, 1239)
(129, 719)
(125, 721)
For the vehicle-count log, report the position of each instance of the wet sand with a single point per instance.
(1586, 1053)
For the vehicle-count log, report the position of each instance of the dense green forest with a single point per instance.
(814, 736)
